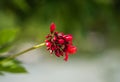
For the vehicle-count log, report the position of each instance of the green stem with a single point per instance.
(20, 53)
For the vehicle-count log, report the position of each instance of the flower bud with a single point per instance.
(52, 27)
(60, 41)
(48, 44)
(54, 38)
(66, 56)
(68, 37)
(60, 34)
(72, 49)
(57, 53)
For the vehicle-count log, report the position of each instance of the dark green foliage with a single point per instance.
(11, 66)
(7, 37)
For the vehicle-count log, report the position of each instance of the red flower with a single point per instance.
(59, 43)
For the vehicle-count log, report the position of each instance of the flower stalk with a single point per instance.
(20, 53)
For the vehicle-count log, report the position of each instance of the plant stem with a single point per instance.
(20, 53)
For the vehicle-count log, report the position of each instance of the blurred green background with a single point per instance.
(90, 21)
(93, 23)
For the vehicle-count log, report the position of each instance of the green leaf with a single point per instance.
(7, 36)
(12, 66)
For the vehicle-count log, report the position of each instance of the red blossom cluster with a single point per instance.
(59, 43)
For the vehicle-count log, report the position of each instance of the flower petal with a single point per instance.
(72, 49)
(66, 56)
(52, 27)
